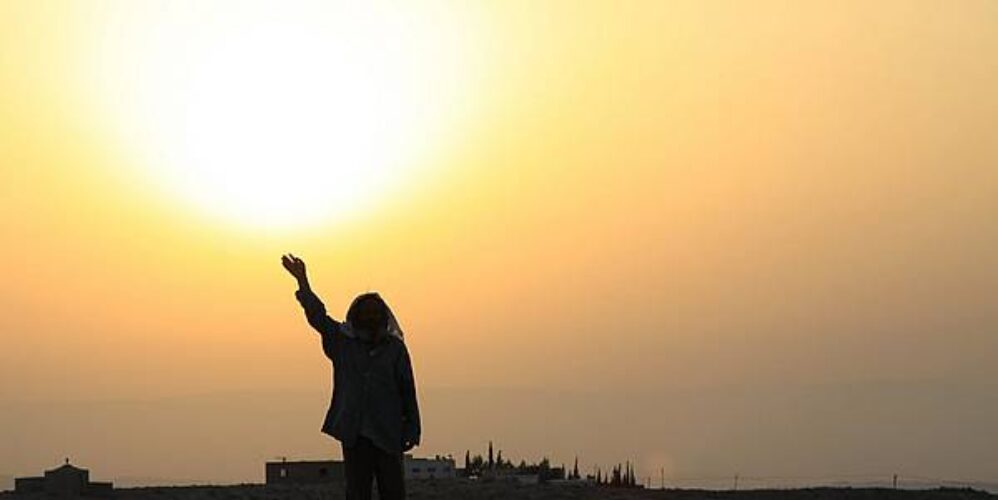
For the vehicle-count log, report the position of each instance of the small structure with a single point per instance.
(437, 467)
(304, 472)
(332, 471)
(64, 481)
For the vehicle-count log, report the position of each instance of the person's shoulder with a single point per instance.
(396, 344)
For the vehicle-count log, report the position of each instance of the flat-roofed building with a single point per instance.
(332, 471)
(437, 467)
(304, 472)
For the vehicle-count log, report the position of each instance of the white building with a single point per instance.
(437, 467)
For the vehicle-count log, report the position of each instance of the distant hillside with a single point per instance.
(144, 482)
(461, 489)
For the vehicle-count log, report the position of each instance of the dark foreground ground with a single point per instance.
(497, 490)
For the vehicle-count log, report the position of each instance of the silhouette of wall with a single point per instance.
(304, 472)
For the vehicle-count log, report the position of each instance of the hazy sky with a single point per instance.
(715, 237)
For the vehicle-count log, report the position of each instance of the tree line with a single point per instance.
(494, 464)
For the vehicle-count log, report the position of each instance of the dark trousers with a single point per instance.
(364, 462)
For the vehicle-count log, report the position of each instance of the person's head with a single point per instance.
(369, 315)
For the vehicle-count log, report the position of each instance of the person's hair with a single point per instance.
(363, 300)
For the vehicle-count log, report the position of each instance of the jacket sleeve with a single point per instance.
(315, 313)
(411, 429)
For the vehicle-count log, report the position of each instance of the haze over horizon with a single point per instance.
(714, 237)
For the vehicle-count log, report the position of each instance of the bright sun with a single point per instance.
(280, 116)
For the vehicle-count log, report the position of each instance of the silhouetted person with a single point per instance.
(373, 412)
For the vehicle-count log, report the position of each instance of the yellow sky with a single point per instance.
(658, 196)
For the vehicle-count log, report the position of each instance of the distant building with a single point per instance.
(331, 471)
(526, 478)
(437, 467)
(525, 475)
(64, 481)
(573, 482)
(304, 472)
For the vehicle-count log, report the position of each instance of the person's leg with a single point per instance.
(390, 475)
(359, 462)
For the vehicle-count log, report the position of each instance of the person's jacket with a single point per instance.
(373, 385)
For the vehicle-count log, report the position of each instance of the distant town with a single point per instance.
(482, 476)
(71, 480)
(491, 466)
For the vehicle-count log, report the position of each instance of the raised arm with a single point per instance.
(315, 310)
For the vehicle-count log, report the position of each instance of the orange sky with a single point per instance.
(652, 199)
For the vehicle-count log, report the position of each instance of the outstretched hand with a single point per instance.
(295, 266)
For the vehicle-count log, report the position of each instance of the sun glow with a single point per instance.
(281, 116)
